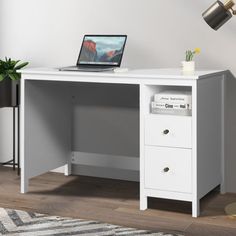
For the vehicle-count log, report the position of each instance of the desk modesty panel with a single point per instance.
(184, 163)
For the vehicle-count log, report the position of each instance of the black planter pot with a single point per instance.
(9, 93)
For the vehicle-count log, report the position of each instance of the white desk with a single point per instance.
(193, 150)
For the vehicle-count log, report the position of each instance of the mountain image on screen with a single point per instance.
(102, 50)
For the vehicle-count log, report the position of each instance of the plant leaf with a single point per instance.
(1, 77)
(9, 67)
(17, 76)
(21, 65)
(12, 76)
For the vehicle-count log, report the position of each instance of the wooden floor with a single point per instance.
(116, 202)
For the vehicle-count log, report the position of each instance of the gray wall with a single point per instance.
(107, 111)
(49, 33)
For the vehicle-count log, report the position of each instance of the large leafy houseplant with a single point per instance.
(9, 67)
(9, 82)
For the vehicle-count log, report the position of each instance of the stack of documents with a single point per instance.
(172, 102)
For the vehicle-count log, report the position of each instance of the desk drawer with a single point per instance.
(168, 131)
(168, 169)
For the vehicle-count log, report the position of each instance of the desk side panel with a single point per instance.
(47, 131)
(209, 134)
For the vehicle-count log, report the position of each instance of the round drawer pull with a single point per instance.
(166, 169)
(166, 131)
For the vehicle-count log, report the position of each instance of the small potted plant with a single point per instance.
(189, 64)
(9, 81)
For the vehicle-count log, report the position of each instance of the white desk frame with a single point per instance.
(45, 131)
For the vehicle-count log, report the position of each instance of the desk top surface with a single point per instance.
(165, 73)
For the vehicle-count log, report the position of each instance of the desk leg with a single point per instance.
(24, 185)
(223, 112)
(196, 208)
(222, 188)
(143, 198)
(68, 168)
(143, 203)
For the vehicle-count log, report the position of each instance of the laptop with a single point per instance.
(99, 53)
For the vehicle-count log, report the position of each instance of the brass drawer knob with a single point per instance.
(166, 169)
(166, 131)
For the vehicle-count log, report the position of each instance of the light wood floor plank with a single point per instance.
(116, 202)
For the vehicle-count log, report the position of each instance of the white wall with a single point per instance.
(49, 33)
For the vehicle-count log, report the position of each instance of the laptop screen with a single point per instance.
(100, 50)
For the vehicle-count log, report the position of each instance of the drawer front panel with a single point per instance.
(168, 169)
(168, 131)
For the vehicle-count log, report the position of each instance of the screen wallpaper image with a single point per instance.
(102, 50)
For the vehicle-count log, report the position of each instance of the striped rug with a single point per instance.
(21, 223)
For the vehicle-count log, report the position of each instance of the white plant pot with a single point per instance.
(188, 66)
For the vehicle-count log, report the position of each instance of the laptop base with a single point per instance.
(86, 69)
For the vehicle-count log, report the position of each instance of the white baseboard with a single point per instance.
(105, 160)
(104, 166)
(59, 170)
(109, 173)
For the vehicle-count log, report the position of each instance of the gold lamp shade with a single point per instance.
(219, 13)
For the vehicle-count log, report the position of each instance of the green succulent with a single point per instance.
(9, 67)
(190, 54)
